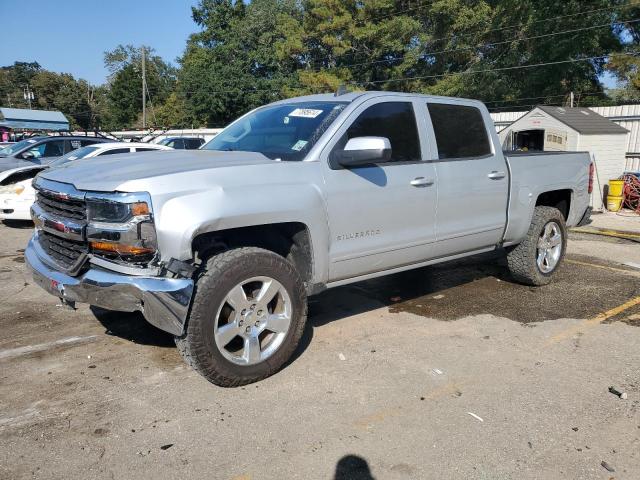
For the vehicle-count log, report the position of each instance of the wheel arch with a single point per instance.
(560, 199)
(291, 240)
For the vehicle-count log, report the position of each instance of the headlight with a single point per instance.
(15, 188)
(121, 226)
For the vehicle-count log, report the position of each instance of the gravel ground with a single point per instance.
(450, 371)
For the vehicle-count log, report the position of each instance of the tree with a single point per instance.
(13, 80)
(230, 66)
(125, 84)
(626, 66)
(453, 47)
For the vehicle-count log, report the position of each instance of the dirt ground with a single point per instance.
(446, 372)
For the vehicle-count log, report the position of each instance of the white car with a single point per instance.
(16, 193)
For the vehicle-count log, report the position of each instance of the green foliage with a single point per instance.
(125, 84)
(52, 91)
(230, 66)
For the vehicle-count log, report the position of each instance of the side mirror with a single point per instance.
(362, 151)
(28, 156)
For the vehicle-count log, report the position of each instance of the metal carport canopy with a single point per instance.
(25, 119)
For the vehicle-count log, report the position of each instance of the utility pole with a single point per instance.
(144, 92)
(28, 95)
(572, 100)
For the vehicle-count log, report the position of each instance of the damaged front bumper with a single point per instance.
(164, 302)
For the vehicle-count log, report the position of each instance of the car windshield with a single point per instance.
(16, 147)
(74, 155)
(280, 132)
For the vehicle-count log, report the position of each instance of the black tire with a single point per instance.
(221, 274)
(522, 258)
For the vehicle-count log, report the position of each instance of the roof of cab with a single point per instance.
(351, 96)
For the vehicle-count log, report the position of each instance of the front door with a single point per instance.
(381, 216)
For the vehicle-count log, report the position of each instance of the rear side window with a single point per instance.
(460, 131)
(393, 120)
(114, 151)
(143, 149)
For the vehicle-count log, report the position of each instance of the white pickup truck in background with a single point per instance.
(221, 246)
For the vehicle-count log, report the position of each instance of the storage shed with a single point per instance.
(24, 119)
(547, 128)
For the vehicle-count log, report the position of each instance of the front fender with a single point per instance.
(180, 219)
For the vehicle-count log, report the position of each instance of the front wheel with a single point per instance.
(247, 317)
(538, 256)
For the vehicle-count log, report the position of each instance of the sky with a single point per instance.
(71, 36)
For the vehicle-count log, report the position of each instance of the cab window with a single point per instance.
(114, 151)
(460, 131)
(393, 120)
(47, 149)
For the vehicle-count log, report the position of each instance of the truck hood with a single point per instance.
(106, 174)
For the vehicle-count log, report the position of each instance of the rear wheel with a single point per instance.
(247, 318)
(538, 256)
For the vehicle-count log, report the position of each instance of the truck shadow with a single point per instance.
(132, 327)
(445, 292)
(397, 291)
(582, 288)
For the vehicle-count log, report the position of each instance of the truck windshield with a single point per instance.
(280, 132)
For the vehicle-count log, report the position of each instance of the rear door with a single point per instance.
(381, 216)
(473, 180)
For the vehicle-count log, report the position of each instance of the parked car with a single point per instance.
(16, 190)
(16, 193)
(183, 143)
(221, 247)
(40, 150)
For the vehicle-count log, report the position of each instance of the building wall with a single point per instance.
(608, 152)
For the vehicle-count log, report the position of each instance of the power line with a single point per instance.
(486, 45)
(593, 92)
(498, 69)
(560, 17)
(529, 105)
(508, 27)
(478, 46)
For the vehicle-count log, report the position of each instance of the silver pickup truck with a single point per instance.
(221, 246)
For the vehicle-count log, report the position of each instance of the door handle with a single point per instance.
(495, 175)
(421, 182)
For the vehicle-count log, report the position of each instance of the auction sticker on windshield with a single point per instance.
(299, 145)
(305, 113)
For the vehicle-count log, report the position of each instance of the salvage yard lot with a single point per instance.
(383, 387)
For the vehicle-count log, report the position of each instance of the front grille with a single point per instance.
(63, 251)
(67, 208)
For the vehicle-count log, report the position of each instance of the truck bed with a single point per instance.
(532, 173)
